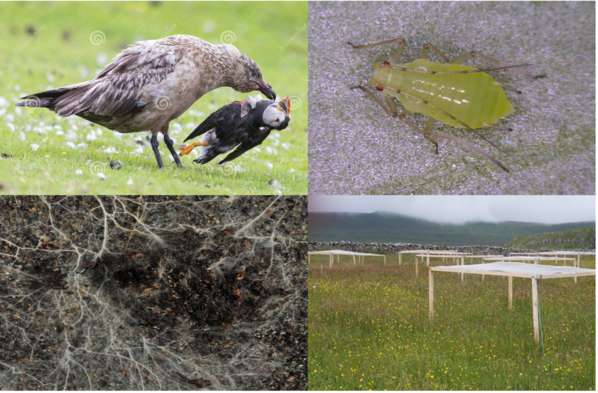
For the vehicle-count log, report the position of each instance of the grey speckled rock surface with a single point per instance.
(153, 293)
(355, 148)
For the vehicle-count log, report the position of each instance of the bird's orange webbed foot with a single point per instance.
(187, 149)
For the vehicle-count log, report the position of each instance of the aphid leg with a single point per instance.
(426, 49)
(430, 136)
(391, 110)
(426, 132)
(395, 57)
(472, 147)
(391, 104)
(464, 57)
(381, 87)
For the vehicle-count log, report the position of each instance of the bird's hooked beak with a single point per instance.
(284, 105)
(266, 90)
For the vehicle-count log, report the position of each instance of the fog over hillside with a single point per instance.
(390, 227)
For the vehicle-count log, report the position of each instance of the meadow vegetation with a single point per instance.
(369, 330)
(53, 44)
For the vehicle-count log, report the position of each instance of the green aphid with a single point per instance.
(452, 93)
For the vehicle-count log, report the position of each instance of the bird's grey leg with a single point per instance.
(170, 146)
(154, 142)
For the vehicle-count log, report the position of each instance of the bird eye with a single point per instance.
(253, 73)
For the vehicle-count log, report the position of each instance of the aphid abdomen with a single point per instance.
(471, 98)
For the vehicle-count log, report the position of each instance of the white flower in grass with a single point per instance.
(35, 146)
(101, 59)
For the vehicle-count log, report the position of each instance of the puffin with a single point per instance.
(240, 125)
(151, 83)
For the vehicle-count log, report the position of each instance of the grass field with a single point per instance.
(51, 44)
(369, 329)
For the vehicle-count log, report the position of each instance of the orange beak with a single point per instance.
(284, 105)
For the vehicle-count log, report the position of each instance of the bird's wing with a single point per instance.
(252, 141)
(116, 90)
(224, 119)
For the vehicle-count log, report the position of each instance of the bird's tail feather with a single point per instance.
(35, 102)
(63, 100)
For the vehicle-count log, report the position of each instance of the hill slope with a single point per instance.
(395, 228)
(573, 239)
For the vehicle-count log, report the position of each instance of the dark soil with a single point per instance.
(153, 293)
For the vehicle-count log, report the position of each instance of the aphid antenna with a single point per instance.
(398, 40)
(386, 64)
(507, 87)
(522, 72)
(498, 127)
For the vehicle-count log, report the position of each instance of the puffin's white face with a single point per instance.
(273, 116)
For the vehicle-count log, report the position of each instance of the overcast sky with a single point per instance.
(458, 209)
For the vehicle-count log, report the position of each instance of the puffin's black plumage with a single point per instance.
(243, 125)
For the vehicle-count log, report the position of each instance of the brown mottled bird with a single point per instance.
(153, 82)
